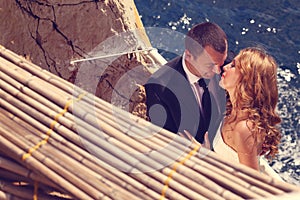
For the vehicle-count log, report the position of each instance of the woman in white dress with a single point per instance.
(249, 130)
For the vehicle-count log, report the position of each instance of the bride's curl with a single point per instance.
(256, 95)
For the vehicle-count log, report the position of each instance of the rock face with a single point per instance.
(54, 33)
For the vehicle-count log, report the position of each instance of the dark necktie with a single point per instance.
(205, 103)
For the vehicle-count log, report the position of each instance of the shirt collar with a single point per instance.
(191, 77)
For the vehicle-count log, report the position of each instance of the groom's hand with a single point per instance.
(206, 142)
(189, 136)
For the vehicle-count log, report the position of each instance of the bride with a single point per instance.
(249, 131)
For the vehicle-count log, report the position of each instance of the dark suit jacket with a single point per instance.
(171, 103)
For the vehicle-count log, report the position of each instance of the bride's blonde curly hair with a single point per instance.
(257, 95)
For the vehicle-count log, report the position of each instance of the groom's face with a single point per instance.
(207, 64)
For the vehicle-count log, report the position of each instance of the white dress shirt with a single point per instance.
(193, 80)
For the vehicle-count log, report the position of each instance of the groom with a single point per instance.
(177, 98)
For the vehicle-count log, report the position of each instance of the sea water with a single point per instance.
(273, 24)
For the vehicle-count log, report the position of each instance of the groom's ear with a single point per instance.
(188, 55)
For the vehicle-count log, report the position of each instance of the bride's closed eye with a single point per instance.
(232, 64)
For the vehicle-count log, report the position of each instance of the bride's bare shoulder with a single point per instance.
(244, 129)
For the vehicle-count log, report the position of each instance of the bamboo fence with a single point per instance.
(61, 142)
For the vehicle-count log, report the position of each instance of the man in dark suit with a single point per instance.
(174, 97)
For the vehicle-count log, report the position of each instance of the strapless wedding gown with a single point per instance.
(220, 147)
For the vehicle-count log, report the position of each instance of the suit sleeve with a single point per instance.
(158, 110)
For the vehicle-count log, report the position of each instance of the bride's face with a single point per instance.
(230, 76)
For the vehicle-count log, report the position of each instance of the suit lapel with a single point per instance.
(218, 101)
(187, 94)
(190, 113)
(216, 94)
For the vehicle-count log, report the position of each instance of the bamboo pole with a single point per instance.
(22, 172)
(32, 111)
(250, 175)
(86, 174)
(238, 186)
(95, 166)
(66, 168)
(105, 157)
(25, 192)
(243, 189)
(36, 165)
(8, 196)
(117, 144)
(127, 156)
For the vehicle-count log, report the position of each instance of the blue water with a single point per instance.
(273, 24)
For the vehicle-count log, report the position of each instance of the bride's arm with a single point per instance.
(246, 146)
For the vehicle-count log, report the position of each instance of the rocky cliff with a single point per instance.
(58, 35)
